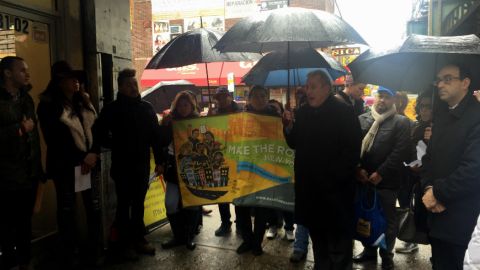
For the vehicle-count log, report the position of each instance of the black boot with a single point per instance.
(193, 220)
(177, 222)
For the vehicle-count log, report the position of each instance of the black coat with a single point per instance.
(358, 106)
(452, 167)
(62, 153)
(20, 159)
(391, 147)
(327, 144)
(129, 126)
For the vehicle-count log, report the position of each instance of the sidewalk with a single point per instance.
(219, 253)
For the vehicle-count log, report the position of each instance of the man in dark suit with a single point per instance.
(451, 177)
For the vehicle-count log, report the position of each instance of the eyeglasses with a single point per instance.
(446, 80)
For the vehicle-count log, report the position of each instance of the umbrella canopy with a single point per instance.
(274, 68)
(412, 66)
(162, 94)
(272, 30)
(195, 47)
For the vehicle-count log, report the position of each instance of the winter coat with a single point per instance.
(268, 110)
(472, 256)
(168, 156)
(391, 147)
(452, 167)
(327, 142)
(358, 106)
(68, 136)
(20, 158)
(233, 108)
(129, 126)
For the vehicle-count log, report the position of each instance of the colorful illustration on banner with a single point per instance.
(222, 158)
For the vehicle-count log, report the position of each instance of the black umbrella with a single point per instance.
(412, 66)
(272, 69)
(280, 28)
(194, 47)
(286, 28)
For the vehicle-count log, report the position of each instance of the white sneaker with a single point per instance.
(271, 233)
(290, 236)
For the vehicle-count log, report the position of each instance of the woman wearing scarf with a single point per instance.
(66, 117)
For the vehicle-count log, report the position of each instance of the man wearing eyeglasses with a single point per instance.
(451, 177)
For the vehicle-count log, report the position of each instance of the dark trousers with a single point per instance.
(224, 209)
(130, 209)
(447, 256)
(16, 226)
(331, 249)
(405, 192)
(244, 222)
(277, 219)
(388, 200)
(66, 200)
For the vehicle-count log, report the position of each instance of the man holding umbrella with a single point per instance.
(326, 137)
(452, 168)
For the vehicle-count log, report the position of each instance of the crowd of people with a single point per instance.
(340, 148)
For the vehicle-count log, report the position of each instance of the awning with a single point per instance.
(217, 74)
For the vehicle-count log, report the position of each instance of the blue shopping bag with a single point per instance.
(370, 223)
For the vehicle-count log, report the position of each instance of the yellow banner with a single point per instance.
(239, 157)
(155, 213)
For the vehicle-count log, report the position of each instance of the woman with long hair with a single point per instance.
(183, 221)
(66, 117)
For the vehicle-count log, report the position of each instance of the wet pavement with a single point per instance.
(219, 253)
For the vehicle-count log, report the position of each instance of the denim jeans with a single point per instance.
(301, 239)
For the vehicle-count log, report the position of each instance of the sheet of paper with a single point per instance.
(421, 151)
(82, 181)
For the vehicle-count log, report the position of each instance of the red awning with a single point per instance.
(196, 73)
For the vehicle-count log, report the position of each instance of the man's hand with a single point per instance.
(27, 125)
(476, 93)
(361, 175)
(90, 160)
(429, 199)
(287, 119)
(428, 133)
(159, 169)
(438, 208)
(375, 178)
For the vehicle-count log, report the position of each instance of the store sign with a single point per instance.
(179, 9)
(272, 4)
(345, 51)
(241, 8)
(9, 22)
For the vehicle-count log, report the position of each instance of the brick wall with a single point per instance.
(7, 43)
(142, 40)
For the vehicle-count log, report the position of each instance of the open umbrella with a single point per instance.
(162, 94)
(286, 28)
(280, 28)
(272, 70)
(194, 47)
(412, 66)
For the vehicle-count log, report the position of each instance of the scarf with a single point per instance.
(372, 132)
(81, 132)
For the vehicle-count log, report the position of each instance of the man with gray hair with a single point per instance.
(326, 137)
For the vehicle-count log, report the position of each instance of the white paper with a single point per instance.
(82, 181)
(421, 151)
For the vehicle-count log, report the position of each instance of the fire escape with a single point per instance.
(460, 15)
